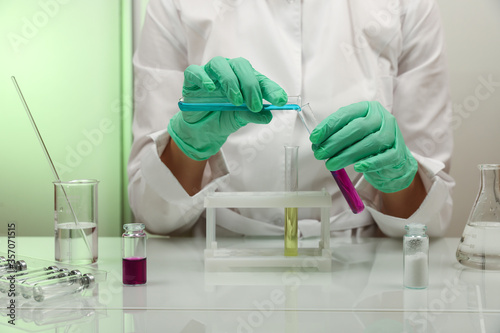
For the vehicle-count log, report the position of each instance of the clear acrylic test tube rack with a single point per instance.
(225, 259)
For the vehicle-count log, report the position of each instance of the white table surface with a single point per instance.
(362, 293)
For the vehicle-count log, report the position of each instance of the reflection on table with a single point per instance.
(362, 293)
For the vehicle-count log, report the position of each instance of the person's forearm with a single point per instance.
(188, 172)
(405, 202)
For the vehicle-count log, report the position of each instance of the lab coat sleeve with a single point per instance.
(435, 211)
(421, 105)
(156, 197)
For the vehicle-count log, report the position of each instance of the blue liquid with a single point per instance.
(183, 106)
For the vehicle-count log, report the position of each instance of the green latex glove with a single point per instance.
(367, 135)
(201, 134)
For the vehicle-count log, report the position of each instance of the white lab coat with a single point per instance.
(332, 53)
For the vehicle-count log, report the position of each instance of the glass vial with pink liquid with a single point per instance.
(134, 266)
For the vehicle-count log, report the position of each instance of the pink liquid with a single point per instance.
(348, 190)
(134, 271)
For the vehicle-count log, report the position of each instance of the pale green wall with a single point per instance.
(67, 57)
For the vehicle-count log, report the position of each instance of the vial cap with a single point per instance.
(88, 281)
(134, 226)
(416, 228)
(75, 272)
(75, 275)
(62, 272)
(21, 265)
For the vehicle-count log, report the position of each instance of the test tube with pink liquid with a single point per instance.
(343, 181)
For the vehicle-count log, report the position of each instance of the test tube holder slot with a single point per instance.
(229, 259)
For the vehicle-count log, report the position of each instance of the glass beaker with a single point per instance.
(75, 215)
(479, 246)
(291, 185)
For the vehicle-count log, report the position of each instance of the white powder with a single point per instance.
(416, 270)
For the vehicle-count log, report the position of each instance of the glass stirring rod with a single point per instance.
(46, 152)
(344, 183)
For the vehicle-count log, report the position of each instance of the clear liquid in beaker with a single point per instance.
(479, 246)
(70, 245)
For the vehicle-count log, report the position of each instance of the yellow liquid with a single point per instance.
(291, 231)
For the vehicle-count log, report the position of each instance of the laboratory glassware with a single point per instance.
(479, 246)
(226, 259)
(222, 104)
(134, 259)
(7, 267)
(307, 117)
(52, 273)
(76, 241)
(416, 256)
(291, 187)
(25, 286)
(47, 155)
(62, 286)
(9, 277)
(344, 183)
(28, 273)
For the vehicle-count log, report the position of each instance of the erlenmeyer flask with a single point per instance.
(479, 246)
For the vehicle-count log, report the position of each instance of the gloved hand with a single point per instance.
(201, 134)
(367, 135)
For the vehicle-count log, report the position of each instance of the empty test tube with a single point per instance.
(54, 274)
(24, 274)
(62, 286)
(50, 273)
(26, 285)
(32, 273)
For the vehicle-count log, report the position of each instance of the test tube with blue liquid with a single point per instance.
(306, 116)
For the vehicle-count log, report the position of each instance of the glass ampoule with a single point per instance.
(134, 259)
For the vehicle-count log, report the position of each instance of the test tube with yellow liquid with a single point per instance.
(291, 186)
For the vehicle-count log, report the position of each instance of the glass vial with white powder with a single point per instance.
(416, 256)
